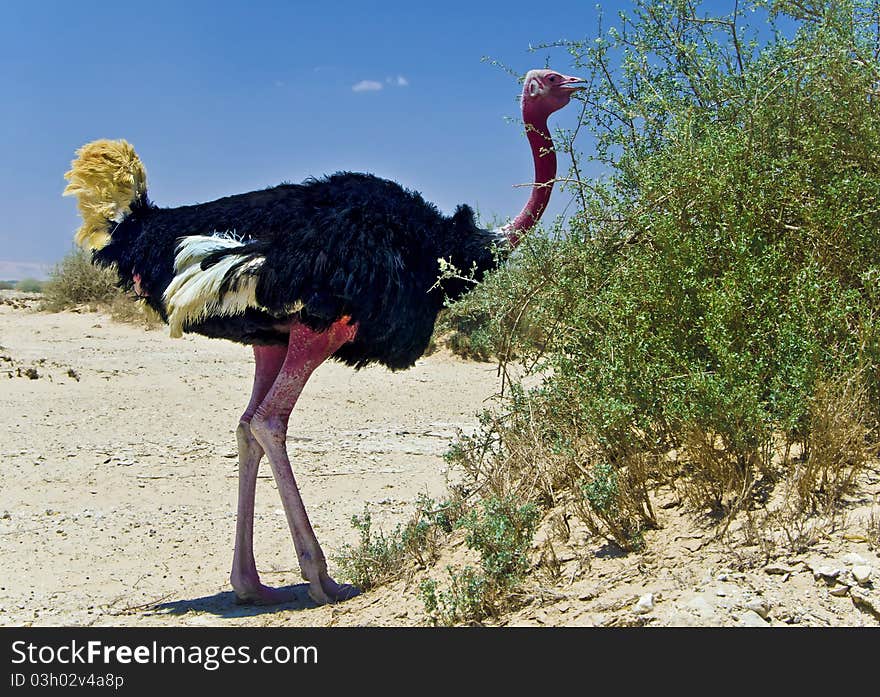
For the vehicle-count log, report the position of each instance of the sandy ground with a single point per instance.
(119, 472)
(118, 486)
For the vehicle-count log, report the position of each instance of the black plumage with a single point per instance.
(351, 254)
(344, 245)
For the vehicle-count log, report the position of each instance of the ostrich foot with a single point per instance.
(255, 593)
(325, 591)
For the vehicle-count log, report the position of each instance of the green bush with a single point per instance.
(465, 599)
(75, 281)
(30, 285)
(379, 557)
(722, 271)
(501, 533)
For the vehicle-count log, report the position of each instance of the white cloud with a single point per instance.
(366, 86)
(402, 81)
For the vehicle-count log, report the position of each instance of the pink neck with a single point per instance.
(545, 172)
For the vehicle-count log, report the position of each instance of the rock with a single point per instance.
(839, 590)
(760, 607)
(777, 569)
(865, 602)
(751, 619)
(828, 574)
(700, 606)
(852, 559)
(645, 604)
(862, 574)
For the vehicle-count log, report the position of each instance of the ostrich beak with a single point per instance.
(568, 83)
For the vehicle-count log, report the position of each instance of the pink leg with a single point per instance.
(244, 577)
(306, 351)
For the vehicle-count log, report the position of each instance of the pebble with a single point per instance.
(839, 590)
(759, 606)
(826, 573)
(645, 604)
(862, 573)
(751, 619)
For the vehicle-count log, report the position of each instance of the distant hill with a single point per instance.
(17, 270)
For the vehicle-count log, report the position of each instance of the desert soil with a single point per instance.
(118, 486)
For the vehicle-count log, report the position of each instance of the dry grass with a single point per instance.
(123, 308)
(717, 477)
(614, 500)
(808, 502)
(842, 440)
(771, 492)
(75, 283)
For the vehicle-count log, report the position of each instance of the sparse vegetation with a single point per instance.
(501, 533)
(76, 283)
(465, 599)
(29, 285)
(380, 557)
(710, 311)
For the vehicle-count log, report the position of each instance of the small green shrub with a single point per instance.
(465, 599)
(30, 285)
(502, 533)
(75, 281)
(379, 557)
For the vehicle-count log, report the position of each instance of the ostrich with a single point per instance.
(344, 266)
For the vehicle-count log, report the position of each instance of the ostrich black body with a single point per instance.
(345, 245)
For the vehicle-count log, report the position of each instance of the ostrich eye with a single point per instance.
(552, 78)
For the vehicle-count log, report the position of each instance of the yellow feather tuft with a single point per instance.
(106, 177)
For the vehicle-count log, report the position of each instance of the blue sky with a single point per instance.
(222, 98)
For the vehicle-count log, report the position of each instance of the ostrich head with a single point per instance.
(546, 91)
